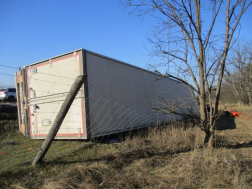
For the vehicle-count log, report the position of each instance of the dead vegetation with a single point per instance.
(162, 157)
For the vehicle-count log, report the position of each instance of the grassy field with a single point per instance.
(170, 157)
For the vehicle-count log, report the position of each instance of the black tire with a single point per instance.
(11, 99)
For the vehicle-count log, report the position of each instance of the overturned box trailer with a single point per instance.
(115, 97)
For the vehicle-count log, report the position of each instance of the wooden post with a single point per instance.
(59, 118)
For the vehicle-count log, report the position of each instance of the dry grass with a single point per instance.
(162, 157)
(205, 168)
(158, 161)
(235, 106)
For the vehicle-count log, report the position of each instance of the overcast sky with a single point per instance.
(34, 30)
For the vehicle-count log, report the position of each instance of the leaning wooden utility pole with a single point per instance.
(59, 118)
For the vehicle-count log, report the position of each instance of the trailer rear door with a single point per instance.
(48, 84)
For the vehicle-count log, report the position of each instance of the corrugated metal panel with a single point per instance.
(121, 97)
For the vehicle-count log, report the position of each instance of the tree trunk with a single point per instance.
(209, 138)
(249, 95)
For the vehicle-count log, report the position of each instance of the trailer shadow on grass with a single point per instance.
(118, 159)
(243, 145)
(221, 142)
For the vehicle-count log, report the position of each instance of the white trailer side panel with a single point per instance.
(48, 83)
(116, 96)
(121, 96)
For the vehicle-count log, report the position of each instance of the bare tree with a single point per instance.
(194, 37)
(239, 74)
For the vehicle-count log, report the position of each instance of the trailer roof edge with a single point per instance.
(121, 62)
(52, 58)
(94, 53)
